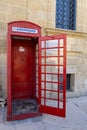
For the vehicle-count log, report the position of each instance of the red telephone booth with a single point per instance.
(36, 72)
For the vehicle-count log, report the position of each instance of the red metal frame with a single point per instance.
(42, 96)
(35, 31)
(58, 107)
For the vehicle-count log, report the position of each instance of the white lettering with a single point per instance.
(25, 30)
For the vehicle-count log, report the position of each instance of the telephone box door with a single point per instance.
(52, 89)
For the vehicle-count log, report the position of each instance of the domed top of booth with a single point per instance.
(24, 28)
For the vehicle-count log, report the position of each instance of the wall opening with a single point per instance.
(70, 82)
(23, 75)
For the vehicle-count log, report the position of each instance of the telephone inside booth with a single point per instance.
(36, 72)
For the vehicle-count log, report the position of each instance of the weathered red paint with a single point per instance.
(60, 100)
(21, 70)
(21, 66)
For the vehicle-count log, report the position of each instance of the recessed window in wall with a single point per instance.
(66, 14)
(70, 82)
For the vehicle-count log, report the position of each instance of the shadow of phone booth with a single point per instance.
(36, 72)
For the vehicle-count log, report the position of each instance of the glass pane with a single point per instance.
(51, 86)
(61, 42)
(52, 103)
(61, 69)
(61, 51)
(36, 86)
(61, 105)
(52, 60)
(42, 61)
(51, 69)
(37, 80)
(42, 44)
(60, 78)
(37, 47)
(61, 60)
(36, 53)
(42, 85)
(51, 52)
(55, 86)
(36, 90)
(49, 77)
(36, 60)
(42, 101)
(36, 94)
(36, 73)
(42, 77)
(42, 93)
(50, 94)
(61, 96)
(42, 68)
(51, 43)
(37, 67)
(54, 78)
(42, 53)
(60, 86)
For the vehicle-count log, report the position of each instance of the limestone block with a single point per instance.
(14, 3)
(81, 16)
(71, 69)
(77, 49)
(3, 31)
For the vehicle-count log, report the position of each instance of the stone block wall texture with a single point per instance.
(77, 58)
(43, 12)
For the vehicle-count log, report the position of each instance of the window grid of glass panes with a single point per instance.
(66, 14)
(36, 56)
(52, 73)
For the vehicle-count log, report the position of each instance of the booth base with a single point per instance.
(24, 106)
(22, 109)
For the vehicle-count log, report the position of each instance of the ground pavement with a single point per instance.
(76, 119)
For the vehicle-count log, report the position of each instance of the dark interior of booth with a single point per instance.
(23, 75)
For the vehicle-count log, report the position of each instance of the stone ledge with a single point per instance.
(67, 32)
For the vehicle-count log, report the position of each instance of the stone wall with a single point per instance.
(77, 58)
(81, 16)
(43, 12)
